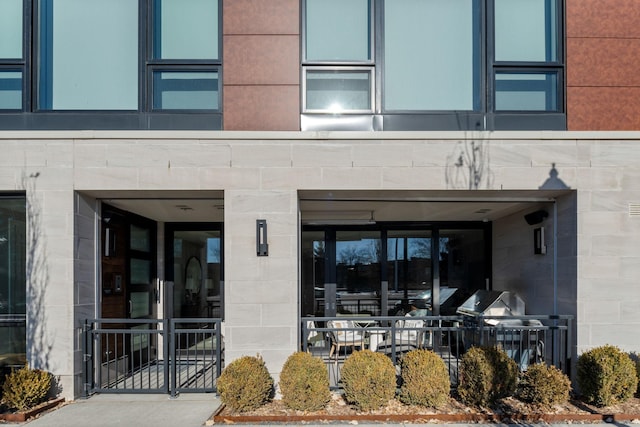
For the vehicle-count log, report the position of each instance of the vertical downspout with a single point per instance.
(556, 340)
(555, 257)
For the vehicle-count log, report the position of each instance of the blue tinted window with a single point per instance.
(526, 91)
(186, 29)
(338, 91)
(11, 29)
(338, 30)
(432, 55)
(10, 90)
(526, 30)
(88, 55)
(185, 90)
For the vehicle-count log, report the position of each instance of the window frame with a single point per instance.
(153, 64)
(494, 67)
(144, 117)
(486, 118)
(21, 64)
(369, 70)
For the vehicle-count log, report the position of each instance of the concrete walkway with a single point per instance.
(138, 410)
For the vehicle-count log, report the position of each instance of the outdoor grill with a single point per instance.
(520, 338)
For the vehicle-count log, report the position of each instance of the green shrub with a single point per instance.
(425, 379)
(543, 385)
(606, 376)
(245, 384)
(638, 374)
(369, 379)
(25, 388)
(304, 382)
(486, 375)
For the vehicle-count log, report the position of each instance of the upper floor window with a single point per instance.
(448, 64)
(12, 61)
(117, 64)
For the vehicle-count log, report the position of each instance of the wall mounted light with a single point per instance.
(539, 245)
(262, 247)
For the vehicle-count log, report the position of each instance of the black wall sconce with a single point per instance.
(262, 247)
(109, 242)
(539, 245)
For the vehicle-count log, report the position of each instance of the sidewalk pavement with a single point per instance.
(187, 410)
(138, 410)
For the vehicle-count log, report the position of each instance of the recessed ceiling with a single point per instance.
(336, 206)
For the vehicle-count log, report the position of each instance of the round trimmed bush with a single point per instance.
(245, 384)
(606, 376)
(638, 374)
(425, 380)
(543, 385)
(368, 379)
(486, 375)
(304, 382)
(25, 388)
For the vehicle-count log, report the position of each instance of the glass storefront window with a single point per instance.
(408, 263)
(12, 281)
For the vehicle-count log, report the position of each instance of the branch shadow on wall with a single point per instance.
(468, 166)
(39, 340)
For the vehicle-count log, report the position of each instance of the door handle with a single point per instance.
(130, 307)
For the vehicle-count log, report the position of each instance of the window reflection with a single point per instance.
(12, 281)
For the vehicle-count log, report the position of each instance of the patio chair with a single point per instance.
(407, 336)
(344, 333)
(314, 338)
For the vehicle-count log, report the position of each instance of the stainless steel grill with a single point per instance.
(498, 318)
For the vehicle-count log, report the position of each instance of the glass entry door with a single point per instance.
(381, 269)
(194, 270)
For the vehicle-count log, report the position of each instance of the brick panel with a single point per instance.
(262, 108)
(603, 18)
(603, 62)
(261, 17)
(261, 60)
(603, 108)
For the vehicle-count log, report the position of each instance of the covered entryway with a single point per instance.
(376, 249)
(161, 295)
(367, 257)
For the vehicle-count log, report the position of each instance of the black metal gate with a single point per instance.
(152, 356)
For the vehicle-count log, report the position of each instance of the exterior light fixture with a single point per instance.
(262, 247)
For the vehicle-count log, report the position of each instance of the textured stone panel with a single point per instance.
(603, 61)
(603, 108)
(603, 18)
(270, 60)
(261, 17)
(262, 108)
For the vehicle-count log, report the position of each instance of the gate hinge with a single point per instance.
(86, 357)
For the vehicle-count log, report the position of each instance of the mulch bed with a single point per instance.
(22, 416)
(506, 411)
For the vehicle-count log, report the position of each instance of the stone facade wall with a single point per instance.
(261, 173)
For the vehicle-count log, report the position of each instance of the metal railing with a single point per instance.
(152, 356)
(526, 339)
